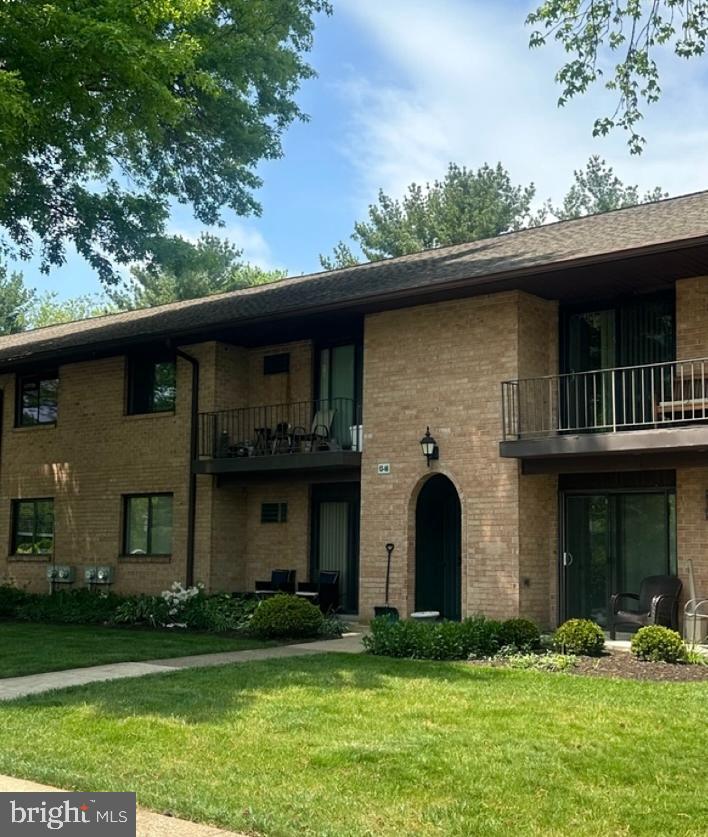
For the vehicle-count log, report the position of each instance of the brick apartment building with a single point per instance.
(561, 370)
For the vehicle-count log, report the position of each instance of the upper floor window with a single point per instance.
(37, 399)
(152, 384)
(32, 527)
(148, 524)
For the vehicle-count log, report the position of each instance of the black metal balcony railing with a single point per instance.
(332, 424)
(606, 400)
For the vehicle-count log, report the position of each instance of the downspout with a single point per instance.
(193, 440)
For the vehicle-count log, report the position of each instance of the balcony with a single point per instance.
(629, 411)
(324, 435)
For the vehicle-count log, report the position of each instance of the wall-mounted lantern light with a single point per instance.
(429, 446)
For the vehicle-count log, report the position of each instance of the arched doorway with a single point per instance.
(437, 548)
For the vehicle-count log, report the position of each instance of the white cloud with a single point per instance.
(464, 87)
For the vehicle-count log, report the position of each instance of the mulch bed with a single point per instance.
(625, 665)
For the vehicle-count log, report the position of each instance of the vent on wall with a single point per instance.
(275, 364)
(274, 512)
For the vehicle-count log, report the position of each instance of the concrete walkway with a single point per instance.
(32, 684)
(149, 824)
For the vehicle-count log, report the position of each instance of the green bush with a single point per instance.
(659, 644)
(541, 662)
(70, 607)
(218, 613)
(408, 638)
(580, 636)
(286, 616)
(519, 633)
(10, 600)
(332, 627)
(152, 611)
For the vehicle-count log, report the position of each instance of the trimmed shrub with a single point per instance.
(408, 638)
(332, 627)
(69, 607)
(519, 633)
(286, 616)
(218, 613)
(658, 644)
(152, 611)
(580, 636)
(10, 600)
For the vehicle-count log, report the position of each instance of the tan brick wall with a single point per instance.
(441, 365)
(692, 318)
(538, 495)
(692, 527)
(283, 388)
(92, 457)
(96, 454)
(692, 483)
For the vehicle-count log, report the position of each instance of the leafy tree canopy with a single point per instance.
(615, 41)
(111, 109)
(47, 309)
(468, 205)
(188, 271)
(464, 206)
(596, 188)
(16, 301)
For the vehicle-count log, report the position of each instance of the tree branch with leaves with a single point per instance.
(615, 42)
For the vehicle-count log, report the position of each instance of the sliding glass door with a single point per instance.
(339, 390)
(611, 541)
(335, 538)
(634, 332)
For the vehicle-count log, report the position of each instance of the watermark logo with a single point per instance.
(67, 814)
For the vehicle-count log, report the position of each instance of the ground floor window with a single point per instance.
(148, 524)
(33, 527)
(612, 540)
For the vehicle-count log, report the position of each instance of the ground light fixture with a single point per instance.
(429, 446)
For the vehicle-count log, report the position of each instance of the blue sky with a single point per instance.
(404, 87)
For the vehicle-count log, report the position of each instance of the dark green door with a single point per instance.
(437, 551)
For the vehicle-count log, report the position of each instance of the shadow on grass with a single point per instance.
(207, 695)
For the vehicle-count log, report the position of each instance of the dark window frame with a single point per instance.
(149, 496)
(15, 509)
(143, 403)
(36, 378)
(276, 364)
(278, 515)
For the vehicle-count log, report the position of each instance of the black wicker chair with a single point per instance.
(281, 581)
(656, 604)
(323, 592)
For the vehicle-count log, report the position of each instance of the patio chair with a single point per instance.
(323, 592)
(320, 435)
(657, 604)
(281, 581)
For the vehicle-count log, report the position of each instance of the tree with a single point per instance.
(47, 309)
(465, 206)
(468, 205)
(188, 271)
(110, 110)
(626, 35)
(597, 188)
(16, 301)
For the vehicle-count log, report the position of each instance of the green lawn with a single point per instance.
(345, 745)
(30, 648)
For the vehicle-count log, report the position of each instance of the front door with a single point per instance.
(335, 538)
(437, 548)
(611, 541)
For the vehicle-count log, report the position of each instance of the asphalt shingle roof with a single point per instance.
(529, 251)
